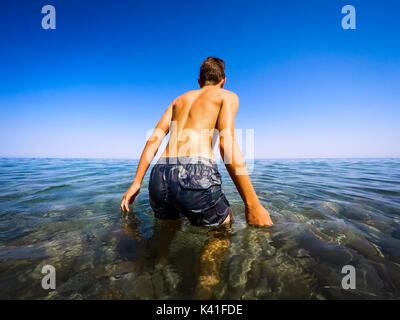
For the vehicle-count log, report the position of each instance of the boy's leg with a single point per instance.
(213, 253)
(168, 230)
(229, 218)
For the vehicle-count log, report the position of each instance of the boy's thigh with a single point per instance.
(214, 215)
(158, 194)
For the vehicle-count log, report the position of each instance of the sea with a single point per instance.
(336, 234)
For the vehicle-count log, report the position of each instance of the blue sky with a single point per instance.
(98, 83)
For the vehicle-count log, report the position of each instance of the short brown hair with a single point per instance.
(212, 71)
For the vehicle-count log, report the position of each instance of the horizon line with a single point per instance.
(218, 158)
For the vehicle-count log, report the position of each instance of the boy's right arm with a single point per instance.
(256, 214)
(149, 151)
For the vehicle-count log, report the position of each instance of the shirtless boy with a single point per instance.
(185, 182)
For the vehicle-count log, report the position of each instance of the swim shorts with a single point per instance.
(188, 187)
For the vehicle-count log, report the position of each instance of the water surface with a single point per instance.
(327, 214)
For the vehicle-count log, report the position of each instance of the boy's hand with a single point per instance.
(258, 216)
(130, 196)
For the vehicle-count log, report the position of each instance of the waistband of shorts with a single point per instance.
(186, 160)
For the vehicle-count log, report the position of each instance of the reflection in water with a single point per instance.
(210, 259)
(327, 213)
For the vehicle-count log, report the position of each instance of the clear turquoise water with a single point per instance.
(327, 214)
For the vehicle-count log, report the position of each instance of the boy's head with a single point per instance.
(212, 72)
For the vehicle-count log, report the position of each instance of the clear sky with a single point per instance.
(98, 83)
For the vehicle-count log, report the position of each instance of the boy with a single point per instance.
(185, 181)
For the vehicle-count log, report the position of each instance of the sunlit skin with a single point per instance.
(189, 117)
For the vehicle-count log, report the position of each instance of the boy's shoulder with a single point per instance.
(218, 91)
(221, 93)
(187, 94)
(225, 93)
(229, 94)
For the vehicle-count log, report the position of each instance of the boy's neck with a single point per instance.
(211, 86)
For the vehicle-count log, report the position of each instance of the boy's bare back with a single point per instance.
(195, 115)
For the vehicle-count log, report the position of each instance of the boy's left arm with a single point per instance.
(149, 151)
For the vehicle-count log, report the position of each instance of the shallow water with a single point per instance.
(327, 214)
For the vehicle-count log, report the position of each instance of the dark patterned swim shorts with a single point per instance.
(188, 187)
